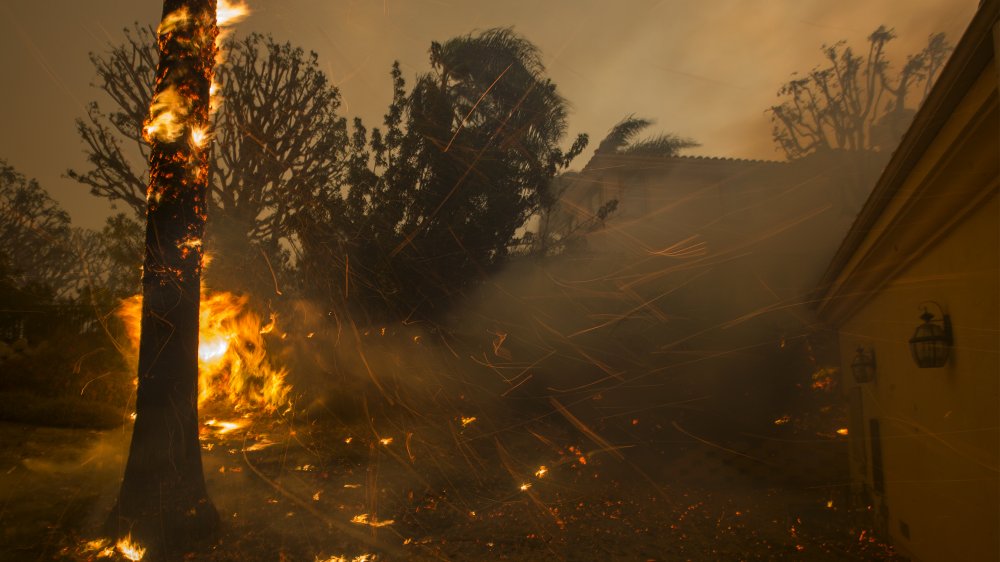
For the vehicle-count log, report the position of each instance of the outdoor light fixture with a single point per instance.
(863, 366)
(931, 342)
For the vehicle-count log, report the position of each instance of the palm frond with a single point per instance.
(662, 145)
(623, 133)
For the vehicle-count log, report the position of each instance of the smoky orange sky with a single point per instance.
(705, 69)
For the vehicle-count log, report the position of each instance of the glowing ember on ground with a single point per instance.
(385, 440)
(842, 431)
(260, 445)
(542, 471)
(101, 547)
(525, 486)
(467, 420)
(363, 519)
(130, 550)
(223, 427)
(359, 558)
(783, 420)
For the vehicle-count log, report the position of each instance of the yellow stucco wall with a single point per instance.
(940, 438)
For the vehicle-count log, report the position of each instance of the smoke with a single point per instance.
(704, 70)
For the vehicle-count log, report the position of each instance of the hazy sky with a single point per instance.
(707, 69)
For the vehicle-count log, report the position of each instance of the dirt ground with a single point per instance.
(291, 491)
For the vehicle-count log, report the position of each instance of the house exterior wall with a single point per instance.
(939, 435)
(925, 443)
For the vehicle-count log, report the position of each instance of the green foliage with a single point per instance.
(71, 362)
(122, 243)
(397, 219)
(433, 203)
(62, 411)
(34, 258)
(44, 261)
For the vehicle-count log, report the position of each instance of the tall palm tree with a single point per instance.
(163, 501)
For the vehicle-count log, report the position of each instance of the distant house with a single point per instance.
(707, 241)
(699, 279)
(925, 443)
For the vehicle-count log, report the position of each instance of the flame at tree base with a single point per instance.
(130, 550)
(233, 364)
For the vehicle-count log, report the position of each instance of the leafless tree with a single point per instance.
(280, 142)
(163, 500)
(855, 102)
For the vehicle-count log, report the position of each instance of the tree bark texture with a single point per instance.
(163, 502)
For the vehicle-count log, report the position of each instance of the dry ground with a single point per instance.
(288, 491)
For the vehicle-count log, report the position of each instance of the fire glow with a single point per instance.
(232, 357)
(167, 113)
(364, 519)
(130, 550)
(223, 427)
(170, 109)
(229, 13)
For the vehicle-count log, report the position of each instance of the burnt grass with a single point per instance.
(287, 490)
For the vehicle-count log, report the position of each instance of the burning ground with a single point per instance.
(420, 451)
(308, 494)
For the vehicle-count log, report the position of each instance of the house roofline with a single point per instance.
(611, 161)
(971, 56)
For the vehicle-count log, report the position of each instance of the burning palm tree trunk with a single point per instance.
(163, 501)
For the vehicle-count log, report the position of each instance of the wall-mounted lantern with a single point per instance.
(863, 366)
(931, 342)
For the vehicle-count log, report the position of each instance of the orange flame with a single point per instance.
(229, 13)
(232, 357)
(130, 550)
(363, 519)
(174, 20)
(199, 135)
(167, 112)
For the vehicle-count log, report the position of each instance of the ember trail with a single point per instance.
(539, 289)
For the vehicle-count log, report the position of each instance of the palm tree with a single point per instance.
(621, 139)
(163, 501)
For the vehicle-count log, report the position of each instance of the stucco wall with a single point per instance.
(939, 427)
